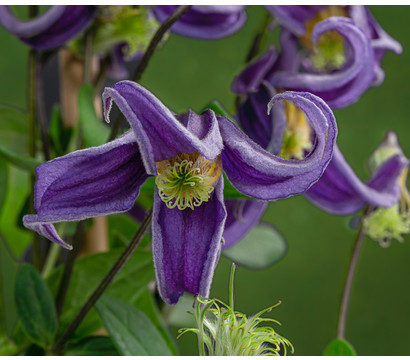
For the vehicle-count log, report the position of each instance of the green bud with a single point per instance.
(386, 224)
(384, 151)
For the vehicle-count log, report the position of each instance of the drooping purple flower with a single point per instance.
(339, 190)
(300, 18)
(53, 28)
(292, 70)
(208, 22)
(187, 154)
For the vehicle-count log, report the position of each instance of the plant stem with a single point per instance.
(255, 49)
(344, 304)
(33, 11)
(156, 39)
(258, 39)
(129, 250)
(68, 269)
(99, 79)
(88, 53)
(51, 260)
(231, 286)
(42, 117)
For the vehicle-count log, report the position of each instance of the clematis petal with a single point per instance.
(87, 183)
(257, 173)
(294, 17)
(160, 135)
(380, 40)
(288, 57)
(253, 75)
(339, 88)
(187, 245)
(31, 27)
(205, 21)
(265, 129)
(340, 191)
(243, 214)
(52, 29)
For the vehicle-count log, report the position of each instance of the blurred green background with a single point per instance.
(189, 73)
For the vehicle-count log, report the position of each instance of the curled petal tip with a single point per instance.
(107, 107)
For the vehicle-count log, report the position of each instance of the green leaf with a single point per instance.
(146, 304)
(60, 135)
(262, 247)
(21, 161)
(24, 210)
(13, 129)
(121, 229)
(131, 330)
(230, 192)
(218, 109)
(8, 270)
(339, 347)
(35, 306)
(93, 346)
(94, 131)
(7, 348)
(180, 314)
(88, 273)
(4, 177)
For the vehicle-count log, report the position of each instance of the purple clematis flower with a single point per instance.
(207, 22)
(53, 28)
(187, 154)
(300, 19)
(339, 190)
(292, 70)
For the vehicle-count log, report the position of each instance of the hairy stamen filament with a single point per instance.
(187, 180)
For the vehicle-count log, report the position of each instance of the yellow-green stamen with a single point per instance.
(187, 180)
(330, 54)
(296, 139)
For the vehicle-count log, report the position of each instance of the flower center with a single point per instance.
(187, 180)
(296, 139)
(330, 54)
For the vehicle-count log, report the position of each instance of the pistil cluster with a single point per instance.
(186, 181)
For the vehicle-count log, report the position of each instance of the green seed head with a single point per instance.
(222, 331)
(187, 180)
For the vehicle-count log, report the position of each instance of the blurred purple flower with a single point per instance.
(299, 20)
(53, 28)
(186, 153)
(338, 191)
(286, 70)
(208, 22)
